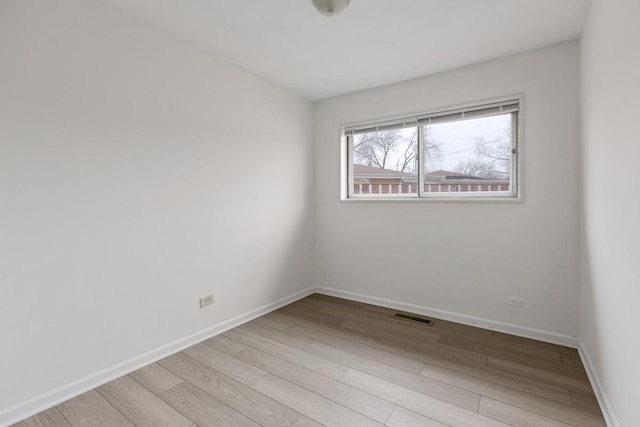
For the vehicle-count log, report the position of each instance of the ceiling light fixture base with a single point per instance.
(330, 7)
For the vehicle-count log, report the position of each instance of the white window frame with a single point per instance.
(485, 108)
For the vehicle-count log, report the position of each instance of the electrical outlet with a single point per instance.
(514, 301)
(205, 301)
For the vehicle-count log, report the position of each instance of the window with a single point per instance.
(463, 153)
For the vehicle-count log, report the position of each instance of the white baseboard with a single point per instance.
(522, 331)
(27, 408)
(603, 401)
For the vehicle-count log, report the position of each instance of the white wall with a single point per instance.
(137, 174)
(610, 56)
(465, 257)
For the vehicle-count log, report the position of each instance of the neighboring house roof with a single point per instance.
(372, 171)
(362, 171)
(442, 174)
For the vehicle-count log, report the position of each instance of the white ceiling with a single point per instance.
(372, 43)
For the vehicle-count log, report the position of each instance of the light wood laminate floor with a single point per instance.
(324, 361)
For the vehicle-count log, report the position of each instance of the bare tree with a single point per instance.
(473, 166)
(492, 158)
(496, 153)
(391, 149)
(431, 147)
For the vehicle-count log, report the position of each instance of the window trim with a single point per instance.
(419, 120)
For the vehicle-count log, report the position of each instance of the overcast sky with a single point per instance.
(457, 139)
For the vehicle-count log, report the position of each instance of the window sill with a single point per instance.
(484, 199)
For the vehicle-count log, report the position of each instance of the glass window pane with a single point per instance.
(385, 162)
(471, 155)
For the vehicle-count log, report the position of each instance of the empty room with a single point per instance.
(402, 213)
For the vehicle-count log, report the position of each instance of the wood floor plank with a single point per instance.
(323, 326)
(558, 411)
(515, 416)
(391, 332)
(311, 303)
(386, 321)
(373, 317)
(494, 348)
(436, 348)
(139, 405)
(571, 359)
(380, 309)
(49, 418)
(544, 364)
(588, 402)
(570, 370)
(425, 405)
(501, 336)
(346, 363)
(570, 351)
(537, 388)
(225, 345)
(260, 408)
(225, 364)
(373, 353)
(331, 301)
(277, 335)
(274, 323)
(155, 378)
(288, 353)
(457, 396)
(428, 351)
(449, 328)
(203, 409)
(92, 410)
(354, 399)
(546, 352)
(306, 422)
(402, 417)
(540, 405)
(552, 378)
(413, 329)
(355, 306)
(312, 405)
(532, 360)
(299, 310)
(359, 314)
(516, 382)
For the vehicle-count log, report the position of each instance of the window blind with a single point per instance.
(484, 110)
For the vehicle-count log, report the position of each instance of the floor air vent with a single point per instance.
(423, 320)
